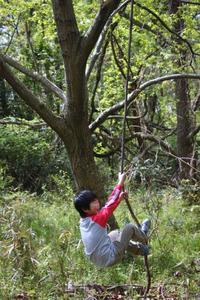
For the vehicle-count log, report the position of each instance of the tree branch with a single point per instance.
(166, 78)
(167, 27)
(67, 28)
(98, 77)
(140, 24)
(31, 100)
(41, 79)
(142, 135)
(119, 65)
(92, 35)
(154, 139)
(190, 2)
(22, 123)
(97, 51)
(101, 38)
(194, 132)
(13, 33)
(103, 116)
(30, 44)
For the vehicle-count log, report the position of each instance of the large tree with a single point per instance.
(72, 125)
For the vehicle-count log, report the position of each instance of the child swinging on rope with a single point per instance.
(105, 249)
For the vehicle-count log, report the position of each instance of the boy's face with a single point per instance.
(94, 207)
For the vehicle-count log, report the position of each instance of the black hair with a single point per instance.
(82, 201)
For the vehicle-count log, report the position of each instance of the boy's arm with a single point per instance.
(113, 201)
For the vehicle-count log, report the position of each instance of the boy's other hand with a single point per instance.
(123, 195)
(121, 177)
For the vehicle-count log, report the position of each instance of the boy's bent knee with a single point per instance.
(129, 227)
(115, 235)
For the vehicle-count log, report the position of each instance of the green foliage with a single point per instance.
(190, 192)
(39, 236)
(85, 11)
(34, 44)
(147, 172)
(35, 242)
(29, 157)
(5, 181)
(28, 34)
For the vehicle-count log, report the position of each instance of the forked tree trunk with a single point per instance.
(75, 51)
(72, 126)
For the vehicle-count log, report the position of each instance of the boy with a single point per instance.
(101, 248)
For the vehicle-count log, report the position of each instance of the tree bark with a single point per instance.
(185, 125)
(75, 51)
(185, 116)
(72, 126)
(4, 110)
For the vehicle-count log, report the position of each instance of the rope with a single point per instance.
(126, 88)
(148, 275)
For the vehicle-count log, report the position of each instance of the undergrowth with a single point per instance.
(41, 252)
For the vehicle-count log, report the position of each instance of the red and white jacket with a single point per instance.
(98, 246)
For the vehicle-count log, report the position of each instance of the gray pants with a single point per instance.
(126, 240)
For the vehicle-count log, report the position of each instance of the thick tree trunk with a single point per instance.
(185, 117)
(75, 51)
(79, 146)
(185, 145)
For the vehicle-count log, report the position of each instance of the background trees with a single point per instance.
(84, 59)
(65, 70)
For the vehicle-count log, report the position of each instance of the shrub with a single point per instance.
(29, 156)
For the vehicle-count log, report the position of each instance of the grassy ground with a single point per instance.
(41, 255)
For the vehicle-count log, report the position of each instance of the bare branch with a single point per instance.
(166, 78)
(146, 136)
(194, 132)
(98, 77)
(92, 35)
(140, 24)
(101, 38)
(30, 44)
(154, 139)
(119, 65)
(31, 100)
(120, 7)
(121, 117)
(22, 123)
(190, 2)
(41, 79)
(103, 116)
(196, 103)
(97, 50)
(13, 33)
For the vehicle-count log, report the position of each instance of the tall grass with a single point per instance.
(41, 251)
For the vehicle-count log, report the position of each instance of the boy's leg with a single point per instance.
(130, 232)
(122, 241)
(115, 235)
(136, 245)
(136, 248)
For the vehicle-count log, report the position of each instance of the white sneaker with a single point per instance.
(145, 226)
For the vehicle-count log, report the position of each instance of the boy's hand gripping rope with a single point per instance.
(123, 142)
